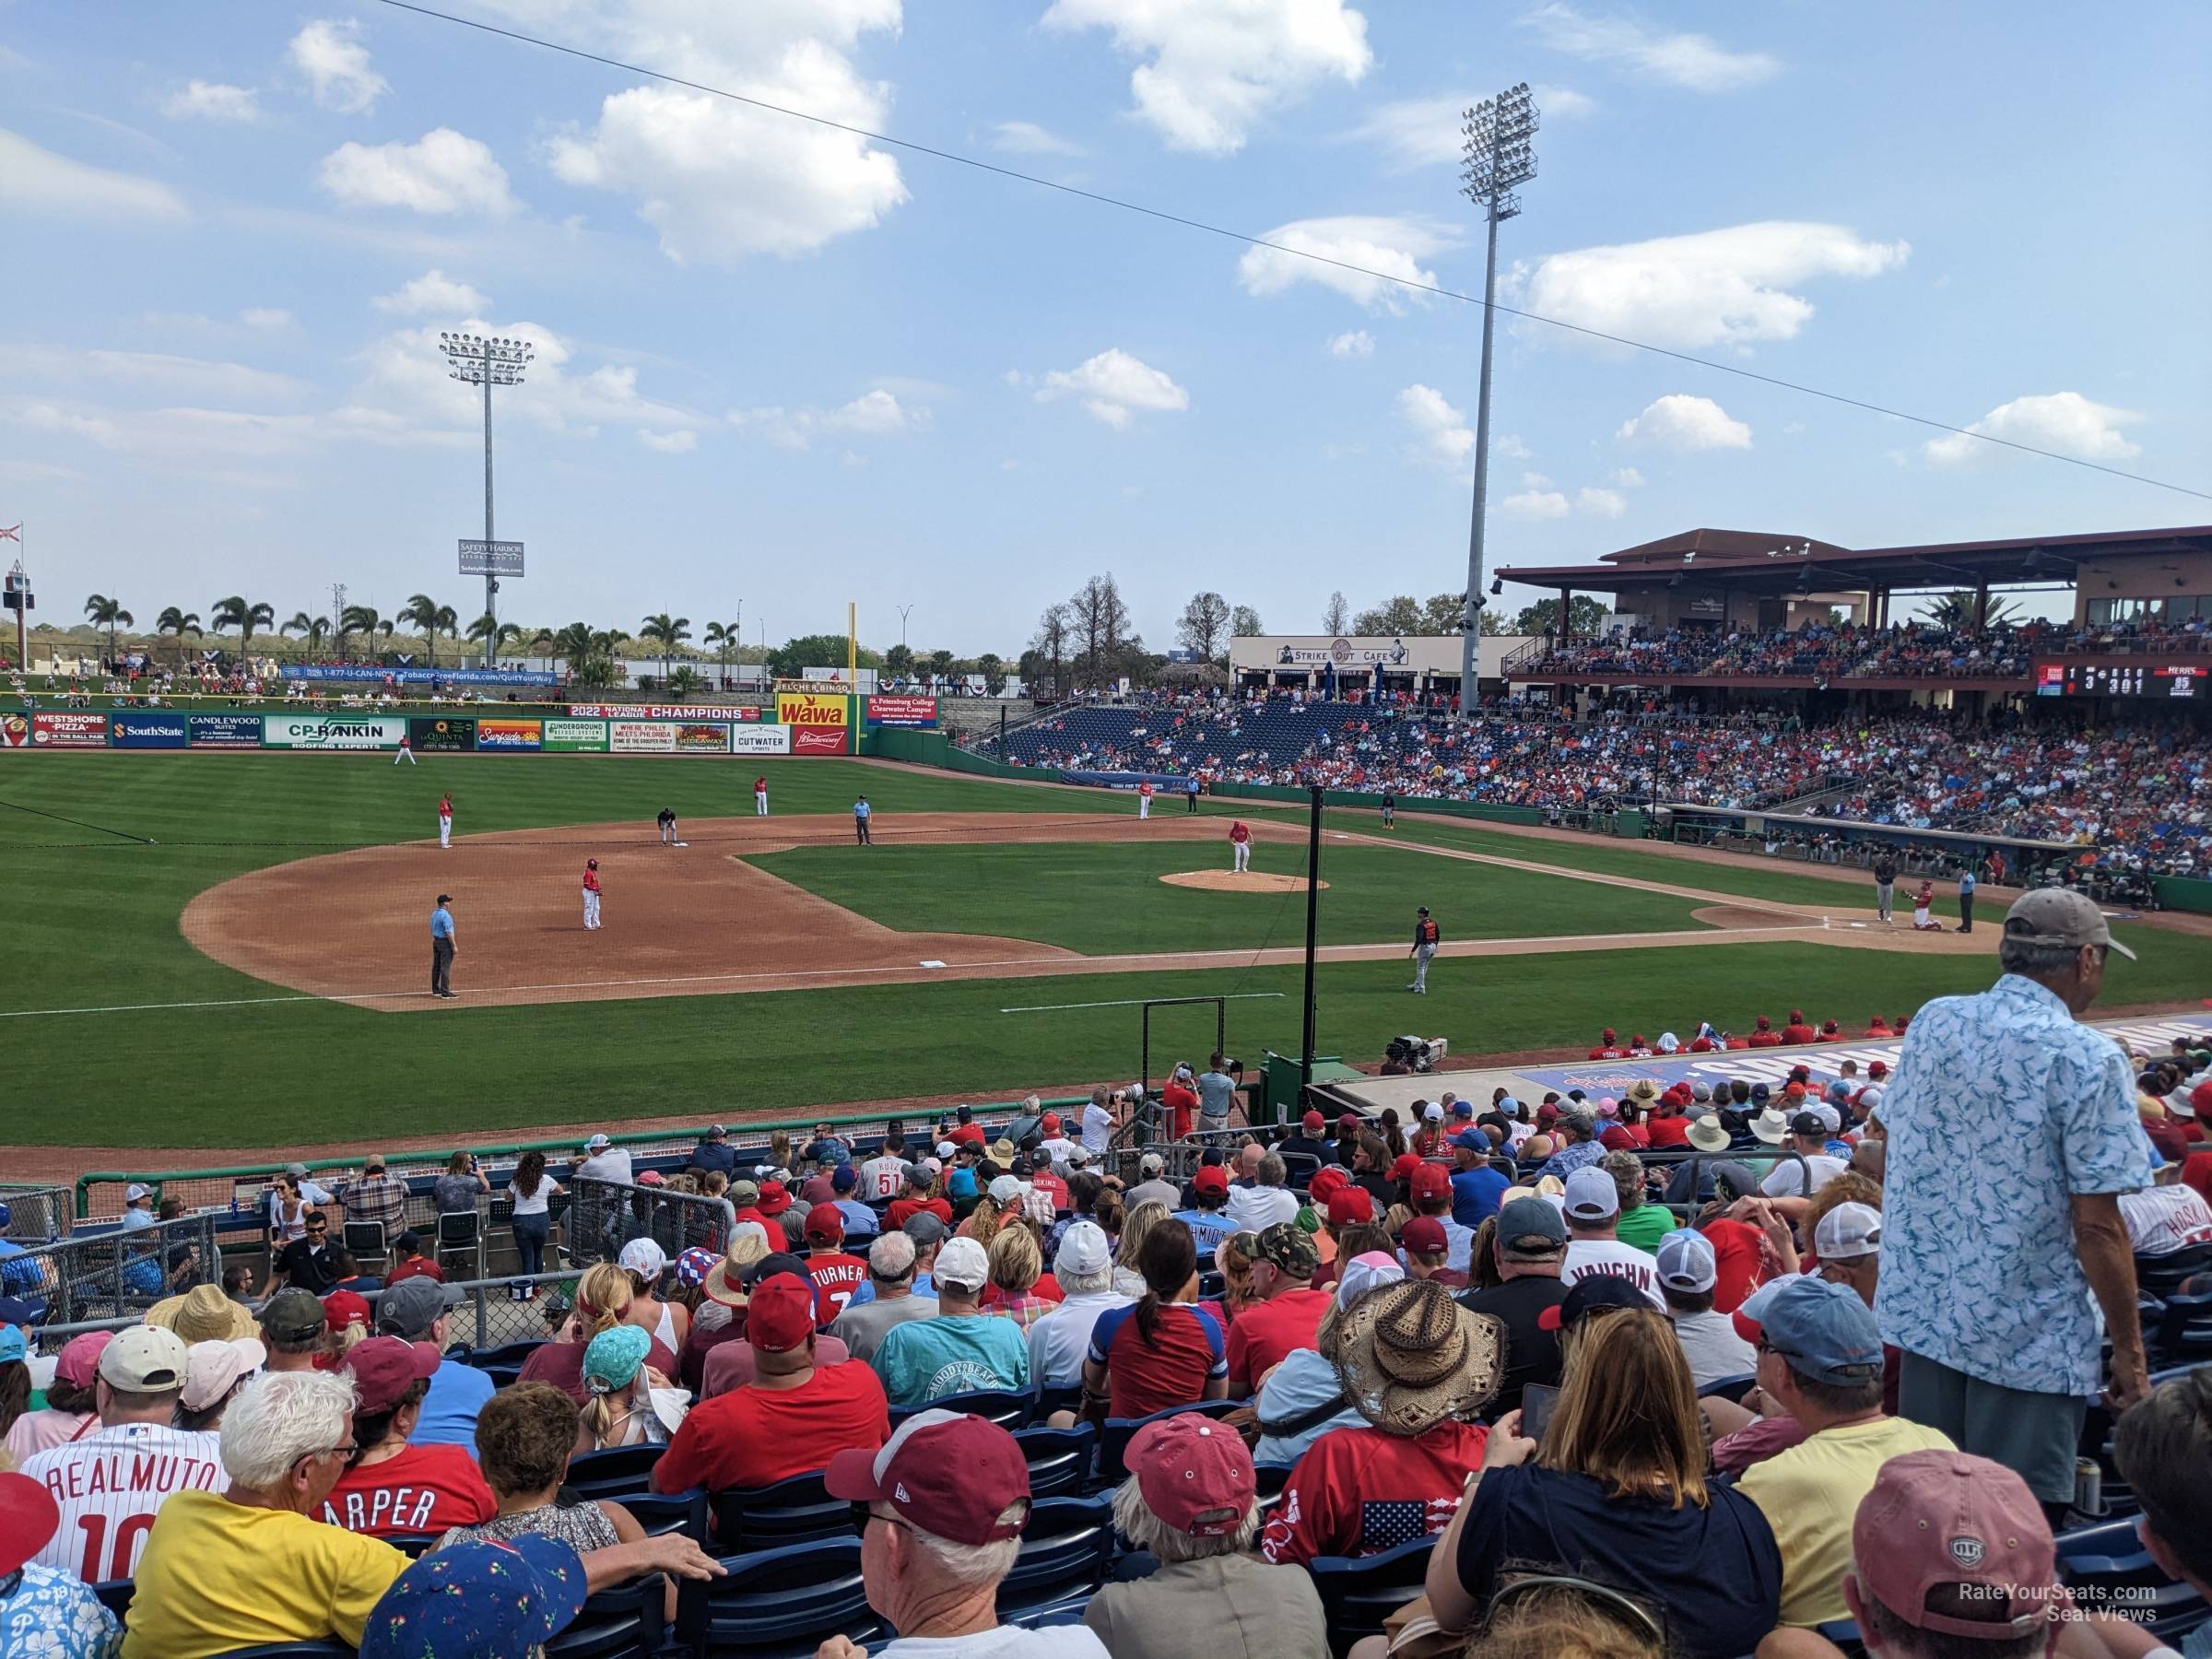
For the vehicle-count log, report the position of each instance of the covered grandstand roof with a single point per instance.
(1756, 563)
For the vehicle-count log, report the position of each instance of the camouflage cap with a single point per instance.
(1290, 1248)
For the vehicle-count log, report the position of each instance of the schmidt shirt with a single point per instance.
(2004, 1108)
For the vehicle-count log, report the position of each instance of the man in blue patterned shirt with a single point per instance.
(2012, 1133)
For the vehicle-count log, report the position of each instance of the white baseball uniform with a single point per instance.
(407, 753)
(445, 829)
(109, 1485)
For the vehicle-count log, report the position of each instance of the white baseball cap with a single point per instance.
(1005, 1189)
(961, 1262)
(1829, 1116)
(598, 1143)
(1686, 1261)
(1433, 1112)
(1083, 1249)
(1848, 1232)
(1151, 1163)
(1591, 1195)
(643, 1256)
(131, 1193)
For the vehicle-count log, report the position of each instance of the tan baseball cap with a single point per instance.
(143, 1360)
(2060, 916)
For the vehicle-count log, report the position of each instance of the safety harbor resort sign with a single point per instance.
(666, 711)
(772, 739)
(332, 731)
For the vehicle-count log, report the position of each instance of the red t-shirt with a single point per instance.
(415, 1268)
(1798, 1035)
(1183, 1103)
(1046, 1289)
(1736, 1262)
(1052, 1187)
(424, 1489)
(1361, 1491)
(903, 1210)
(836, 1278)
(969, 1131)
(1267, 1332)
(1185, 1353)
(1762, 1039)
(755, 1437)
(1668, 1131)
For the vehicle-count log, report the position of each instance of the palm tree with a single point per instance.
(668, 633)
(314, 627)
(360, 619)
(422, 611)
(245, 615)
(178, 623)
(724, 636)
(1955, 611)
(573, 644)
(109, 614)
(489, 627)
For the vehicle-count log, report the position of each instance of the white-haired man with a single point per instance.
(862, 1325)
(946, 1495)
(1083, 1268)
(255, 1565)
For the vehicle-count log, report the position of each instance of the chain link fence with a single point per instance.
(605, 1215)
(120, 1272)
(36, 1215)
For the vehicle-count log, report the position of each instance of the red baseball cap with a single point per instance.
(1212, 1179)
(385, 1367)
(343, 1308)
(774, 1199)
(1194, 1474)
(1795, 1090)
(1946, 1518)
(1314, 1122)
(781, 1316)
(1347, 1120)
(825, 1222)
(1425, 1235)
(1326, 1180)
(953, 1474)
(30, 1516)
(1431, 1180)
(1050, 1122)
(1350, 1206)
(1877, 1068)
(1404, 1165)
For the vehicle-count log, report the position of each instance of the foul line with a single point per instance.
(1132, 1002)
(79, 823)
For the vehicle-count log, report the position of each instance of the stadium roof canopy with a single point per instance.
(1753, 562)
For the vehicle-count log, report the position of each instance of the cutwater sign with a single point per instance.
(331, 732)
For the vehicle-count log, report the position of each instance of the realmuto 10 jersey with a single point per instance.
(110, 1483)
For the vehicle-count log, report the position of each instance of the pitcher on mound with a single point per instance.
(1239, 847)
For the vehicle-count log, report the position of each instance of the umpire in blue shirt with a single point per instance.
(441, 949)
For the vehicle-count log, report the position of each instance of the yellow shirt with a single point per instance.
(217, 1575)
(1810, 1494)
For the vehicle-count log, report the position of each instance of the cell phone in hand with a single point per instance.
(1537, 1401)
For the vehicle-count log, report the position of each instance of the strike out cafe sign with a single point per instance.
(1347, 653)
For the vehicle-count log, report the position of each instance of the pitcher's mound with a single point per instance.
(1229, 881)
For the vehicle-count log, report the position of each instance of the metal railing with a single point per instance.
(605, 1215)
(117, 1272)
(36, 1215)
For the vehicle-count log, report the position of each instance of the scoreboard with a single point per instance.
(2148, 678)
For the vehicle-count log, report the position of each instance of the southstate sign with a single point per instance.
(820, 722)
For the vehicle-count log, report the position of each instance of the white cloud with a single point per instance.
(1027, 138)
(668, 444)
(876, 413)
(1441, 432)
(212, 100)
(1115, 386)
(1626, 478)
(1391, 246)
(433, 292)
(1535, 480)
(442, 171)
(1533, 504)
(1684, 423)
(1601, 503)
(331, 55)
(1357, 344)
(39, 181)
(1726, 286)
(153, 373)
(1426, 132)
(718, 181)
(267, 319)
(1692, 61)
(2065, 422)
(1216, 68)
(1509, 446)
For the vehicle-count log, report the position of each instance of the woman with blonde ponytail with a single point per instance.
(603, 1298)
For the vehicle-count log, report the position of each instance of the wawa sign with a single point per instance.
(821, 723)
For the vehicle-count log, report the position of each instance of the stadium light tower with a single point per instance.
(485, 362)
(1499, 156)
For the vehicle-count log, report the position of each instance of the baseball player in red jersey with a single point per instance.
(760, 797)
(407, 751)
(591, 893)
(1144, 800)
(445, 820)
(1239, 847)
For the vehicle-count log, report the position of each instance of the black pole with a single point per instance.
(1002, 731)
(1305, 1065)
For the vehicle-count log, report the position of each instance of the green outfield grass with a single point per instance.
(1107, 899)
(94, 925)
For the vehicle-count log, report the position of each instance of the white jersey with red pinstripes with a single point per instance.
(109, 1485)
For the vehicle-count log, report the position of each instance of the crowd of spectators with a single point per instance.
(1835, 1369)
(1819, 651)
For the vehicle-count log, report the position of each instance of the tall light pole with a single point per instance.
(903, 611)
(486, 363)
(1499, 156)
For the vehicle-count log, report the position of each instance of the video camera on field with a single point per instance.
(1415, 1054)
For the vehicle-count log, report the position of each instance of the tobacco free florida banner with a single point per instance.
(821, 723)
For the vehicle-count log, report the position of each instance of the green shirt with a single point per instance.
(1645, 1225)
(928, 1359)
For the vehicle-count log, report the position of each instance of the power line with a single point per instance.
(1125, 205)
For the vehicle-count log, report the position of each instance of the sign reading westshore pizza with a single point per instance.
(666, 711)
(331, 732)
(68, 729)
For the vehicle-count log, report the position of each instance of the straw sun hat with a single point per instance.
(1410, 1356)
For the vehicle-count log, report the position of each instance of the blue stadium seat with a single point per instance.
(115, 1595)
(614, 1473)
(787, 1513)
(1059, 1459)
(1114, 1442)
(685, 1513)
(1068, 1397)
(1064, 1549)
(1008, 1409)
(1731, 1388)
(1359, 1593)
(414, 1545)
(630, 1621)
(2108, 1561)
(776, 1602)
(506, 1353)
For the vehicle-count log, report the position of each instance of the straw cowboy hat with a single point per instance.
(1708, 1133)
(203, 1314)
(1410, 1356)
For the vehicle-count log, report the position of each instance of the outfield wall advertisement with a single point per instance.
(442, 734)
(760, 740)
(574, 736)
(68, 728)
(640, 738)
(332, 731)
(920, 712)
(702, 737)
(667, 711)
(820, 724)
(509, 735)
(152, 730)
(225, 731)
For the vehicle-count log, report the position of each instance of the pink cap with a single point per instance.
(1194, 1474)
(1946, 1518)
(947, 1473)
(385, 1367)
(79, 1361)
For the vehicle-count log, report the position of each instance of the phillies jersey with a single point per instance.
(759, 785)
(591, 879)
(109, 1485)
(837, 1279)
(883, 1177)
(445, 807)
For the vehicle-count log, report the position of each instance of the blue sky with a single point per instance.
(781, 368)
